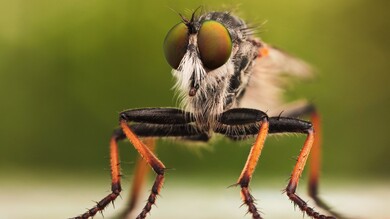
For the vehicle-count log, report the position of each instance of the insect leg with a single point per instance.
(162, 122)
(149, 132)
(154, 116)
(306, 109)
(115, 184)
(315, 154)
(140, 173)
(276, 125)
(284, 125)
(242, 117)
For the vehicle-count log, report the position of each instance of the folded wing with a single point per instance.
(270, 75)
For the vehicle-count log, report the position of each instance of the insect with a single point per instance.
(225, 77)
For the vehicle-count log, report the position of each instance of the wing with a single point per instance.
(269, 77)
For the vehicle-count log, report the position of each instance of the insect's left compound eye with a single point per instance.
(175, 44)
(214, 43)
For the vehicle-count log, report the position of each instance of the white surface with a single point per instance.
(189, 200)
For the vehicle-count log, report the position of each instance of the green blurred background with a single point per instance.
(68, 67)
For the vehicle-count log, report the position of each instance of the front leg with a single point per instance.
(115, 181)
(151, 122)
(151, 116)
(242, 117)
(152, 160)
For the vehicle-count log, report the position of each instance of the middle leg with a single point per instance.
(151, 120)
(242, 117)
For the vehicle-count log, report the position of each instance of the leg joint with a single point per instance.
(310, 130)
(158, 169)
(116, 188)
(123, 117)
(244, 181)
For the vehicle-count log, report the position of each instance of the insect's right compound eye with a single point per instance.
(175, 44)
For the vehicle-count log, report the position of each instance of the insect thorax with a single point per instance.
(220, 89)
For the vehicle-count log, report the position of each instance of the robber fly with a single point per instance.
(229, 82)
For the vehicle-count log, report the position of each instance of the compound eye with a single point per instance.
(175, 44)
(214, 43)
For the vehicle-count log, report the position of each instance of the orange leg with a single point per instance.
(296, 174)
(152, 160)
(149, 122)
(270, 125)
(249, 168)
(315, 165)
(315, 158)
(115, 185)
(298, 110)
(140, 174)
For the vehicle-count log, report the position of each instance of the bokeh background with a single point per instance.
(68, 67)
